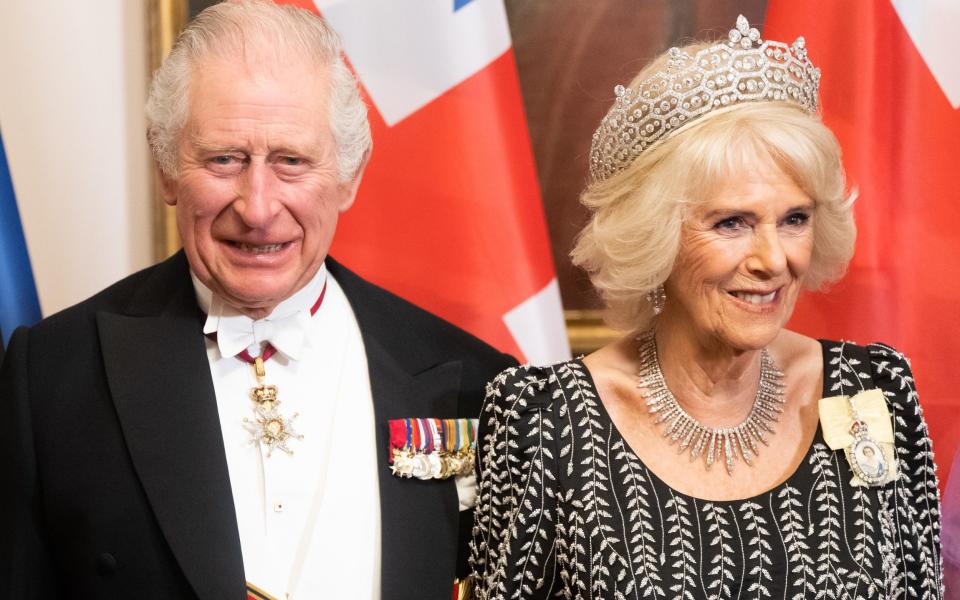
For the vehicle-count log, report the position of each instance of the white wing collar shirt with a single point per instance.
(309, 521)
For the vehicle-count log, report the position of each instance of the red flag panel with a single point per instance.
(463, 208)
(899, 135)
(449, 214)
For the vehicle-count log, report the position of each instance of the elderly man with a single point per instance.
(223, 419)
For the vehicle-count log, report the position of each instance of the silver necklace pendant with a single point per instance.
(726, 443)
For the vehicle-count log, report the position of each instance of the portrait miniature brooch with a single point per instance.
(860, 425)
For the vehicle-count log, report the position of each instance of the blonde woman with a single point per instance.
(695, 457)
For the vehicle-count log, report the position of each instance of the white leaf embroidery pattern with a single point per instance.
(566, 509)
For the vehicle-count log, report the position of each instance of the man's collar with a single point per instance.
(283, 327)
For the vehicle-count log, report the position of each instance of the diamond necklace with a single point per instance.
(681, 428)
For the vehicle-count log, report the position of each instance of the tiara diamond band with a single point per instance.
(744, 68)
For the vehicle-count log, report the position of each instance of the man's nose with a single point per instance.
(256, 202)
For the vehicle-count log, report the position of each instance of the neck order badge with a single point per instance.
(269, 428)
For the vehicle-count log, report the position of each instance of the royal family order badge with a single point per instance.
(860, 426)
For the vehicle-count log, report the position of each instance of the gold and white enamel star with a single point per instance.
(269, 428)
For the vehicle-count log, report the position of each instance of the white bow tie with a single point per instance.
(237, 332)
(285, 328)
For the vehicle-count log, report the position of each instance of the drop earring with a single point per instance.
(657, 298)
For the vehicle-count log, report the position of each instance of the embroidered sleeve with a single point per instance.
(914, 503)
(514, 531)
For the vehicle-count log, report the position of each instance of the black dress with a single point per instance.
(567, 509)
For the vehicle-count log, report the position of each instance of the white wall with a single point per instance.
(72, 88)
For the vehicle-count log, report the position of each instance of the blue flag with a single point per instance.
(18, 295)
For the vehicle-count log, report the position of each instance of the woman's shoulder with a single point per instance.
(892, 373)
(887, 367)
(890, 368)
(850, 368)
(526, 386)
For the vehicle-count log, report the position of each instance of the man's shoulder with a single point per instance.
(153, 284)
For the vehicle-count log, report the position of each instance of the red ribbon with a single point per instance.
(269, 350)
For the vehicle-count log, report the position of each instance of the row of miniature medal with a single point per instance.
(432, 448)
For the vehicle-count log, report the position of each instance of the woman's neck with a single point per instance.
(714, 383)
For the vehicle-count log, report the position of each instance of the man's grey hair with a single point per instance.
(227, 30)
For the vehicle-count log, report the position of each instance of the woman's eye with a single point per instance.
(797, 219)
(730, 224)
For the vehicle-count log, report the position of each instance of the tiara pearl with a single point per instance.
(743, 68)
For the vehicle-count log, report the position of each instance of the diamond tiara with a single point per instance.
(743, 68)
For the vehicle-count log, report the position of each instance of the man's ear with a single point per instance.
(168, 187)
(349, 188)
(167, 184)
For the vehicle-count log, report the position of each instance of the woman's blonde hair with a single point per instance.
(632, 239)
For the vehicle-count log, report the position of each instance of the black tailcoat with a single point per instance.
(115, 481)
